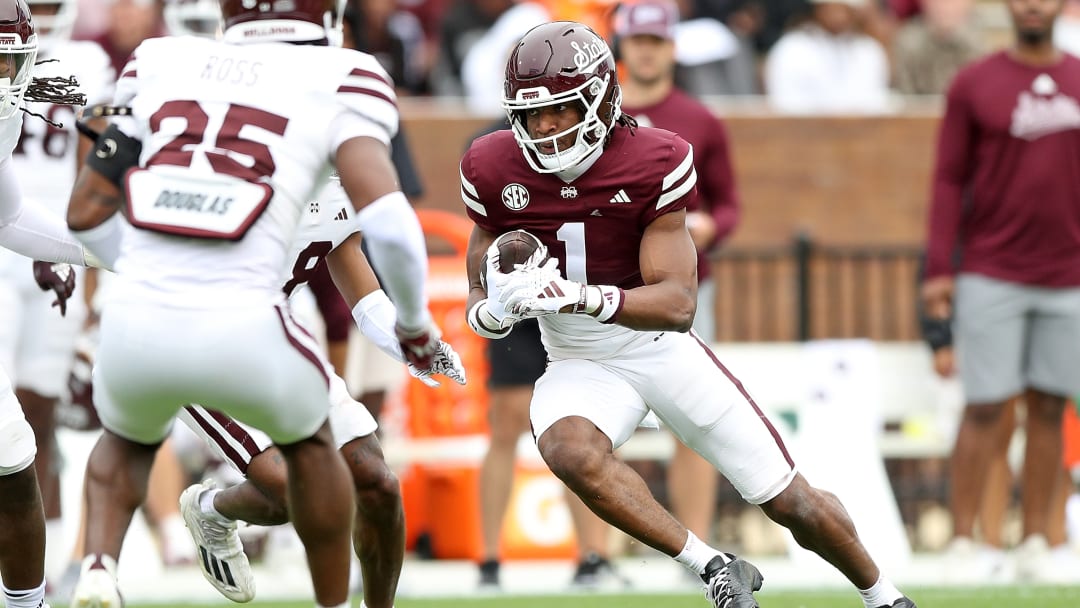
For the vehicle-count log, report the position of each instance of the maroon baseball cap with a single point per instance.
(647, 17)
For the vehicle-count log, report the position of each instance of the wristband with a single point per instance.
(113, 154)
(603, 302)
(937, 333)
(484, 324)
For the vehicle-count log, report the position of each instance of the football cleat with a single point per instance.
(595, 572)
(489, 574)
(731, 583)
(221, 555)
(97, 584)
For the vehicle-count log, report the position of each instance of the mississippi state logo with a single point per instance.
(515, 197)
(568, 192)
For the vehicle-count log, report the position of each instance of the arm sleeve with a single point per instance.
(32, 230)
(951, 173)
(375, 315)
(396, 247)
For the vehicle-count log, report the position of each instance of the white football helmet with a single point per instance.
(20, 47)
(54, 21)
(193, 18)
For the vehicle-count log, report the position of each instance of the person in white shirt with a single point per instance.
(827, 65)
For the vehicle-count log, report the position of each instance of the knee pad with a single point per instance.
(17, 446)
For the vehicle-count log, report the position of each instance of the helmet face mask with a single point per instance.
(18, 54)
(562, 63)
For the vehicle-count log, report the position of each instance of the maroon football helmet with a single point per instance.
(562, 62)
(18, 52)
(282, 20)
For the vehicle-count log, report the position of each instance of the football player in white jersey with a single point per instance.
(37, 345)
(30, 229)
(232, 139)
(379, 530)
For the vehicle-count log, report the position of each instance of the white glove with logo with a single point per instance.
(536, 292)
(446, 362)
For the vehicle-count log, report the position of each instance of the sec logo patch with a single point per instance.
(515, 197)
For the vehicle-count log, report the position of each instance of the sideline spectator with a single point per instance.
(828, 65)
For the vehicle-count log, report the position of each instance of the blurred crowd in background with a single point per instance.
(806, 56)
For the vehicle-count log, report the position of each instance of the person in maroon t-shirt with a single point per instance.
(613, 282)
(645, 38)
(1003, 255)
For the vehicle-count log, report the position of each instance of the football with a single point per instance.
(514, 247)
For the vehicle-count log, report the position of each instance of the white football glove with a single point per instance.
(492, 272)
(543, 291)
(446, 362)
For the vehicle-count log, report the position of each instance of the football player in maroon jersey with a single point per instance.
(645, 37)
(615, 303)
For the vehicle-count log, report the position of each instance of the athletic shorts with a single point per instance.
(255, 364)
(1010, 337)
(519, 359)
(678, 378)
(17, 448)
(237, 443)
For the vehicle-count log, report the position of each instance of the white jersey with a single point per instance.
(235, 141)
(44, 156)
(325, 224)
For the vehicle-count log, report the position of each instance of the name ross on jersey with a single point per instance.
(231, 71)
(198, 202)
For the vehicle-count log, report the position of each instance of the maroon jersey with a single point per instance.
(1006, 192)
(682, 114)
(594, 224)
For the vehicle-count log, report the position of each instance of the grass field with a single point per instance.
(997, 597)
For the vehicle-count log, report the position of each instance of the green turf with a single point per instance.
(1000, 597)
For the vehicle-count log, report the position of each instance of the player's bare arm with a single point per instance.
(94, 199)
(479, 241)
(366, 171)
(375, 314)
(396, 240)
(668, 299)
(351, 271)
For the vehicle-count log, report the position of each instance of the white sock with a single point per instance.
(696, 554)
(883, 593)
(206, 505)
(26, 598)
(345, 605)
